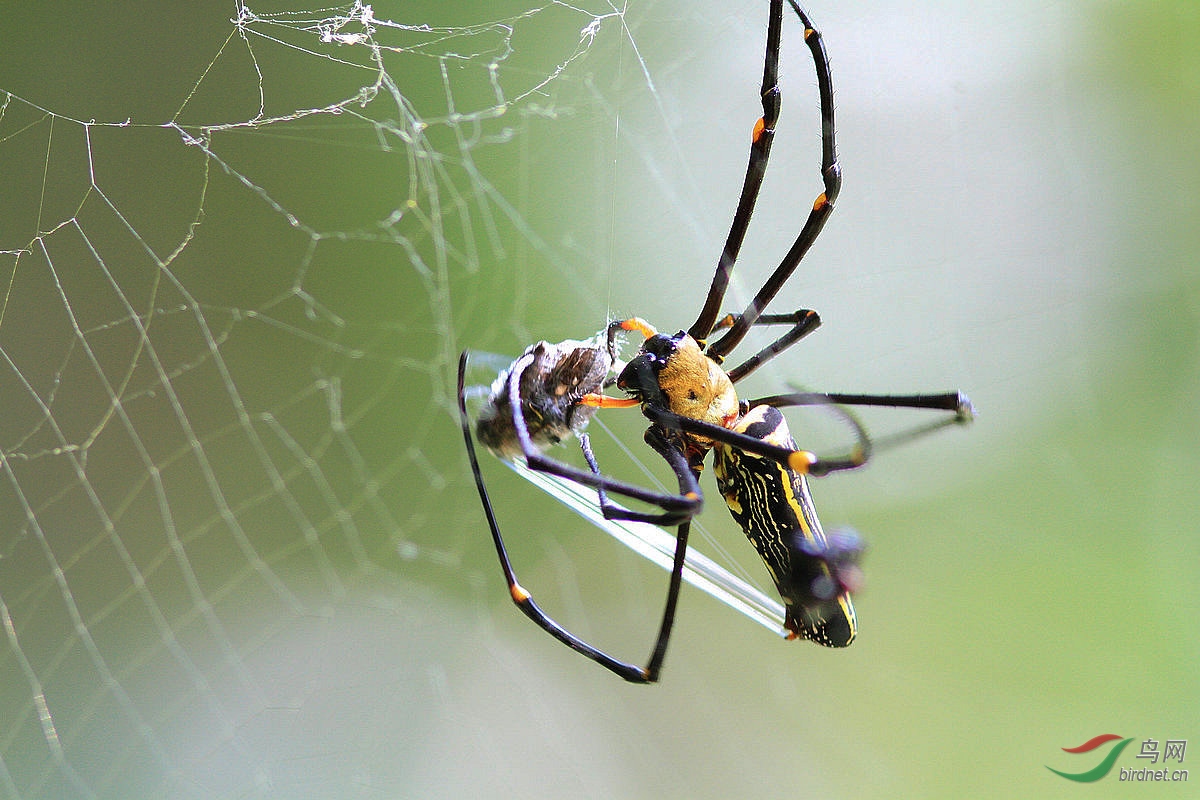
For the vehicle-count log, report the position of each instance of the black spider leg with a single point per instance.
(689, 486)
(803, 322)
(958, 403)
(831, 175)
(524, 600)
(801, 461)
(760, 151)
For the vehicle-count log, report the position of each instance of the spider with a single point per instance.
(680, 385)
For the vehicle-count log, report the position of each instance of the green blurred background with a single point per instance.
(241, 554)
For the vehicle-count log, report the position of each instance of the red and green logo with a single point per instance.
(1106, 764)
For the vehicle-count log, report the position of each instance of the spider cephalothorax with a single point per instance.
(673, 371)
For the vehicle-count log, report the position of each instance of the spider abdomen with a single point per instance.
(773, 506)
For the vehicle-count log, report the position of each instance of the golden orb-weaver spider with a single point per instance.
(690, 400)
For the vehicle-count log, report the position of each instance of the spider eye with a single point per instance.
(658, 349)
(643, 368)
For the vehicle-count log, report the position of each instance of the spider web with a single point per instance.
(223, 295)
